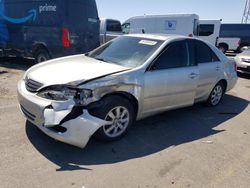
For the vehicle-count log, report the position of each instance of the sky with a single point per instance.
(230, 11)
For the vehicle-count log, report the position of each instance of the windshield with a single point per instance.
(126, 51)
(126, 28)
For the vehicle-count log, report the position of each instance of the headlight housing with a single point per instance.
(64, 93)
(246, 60)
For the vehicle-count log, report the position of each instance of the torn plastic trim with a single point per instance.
(79, 130)
(56, 112)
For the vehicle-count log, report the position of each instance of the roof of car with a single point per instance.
(163, 37)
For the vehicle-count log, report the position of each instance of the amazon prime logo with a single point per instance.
(31, 15)
(47, 8)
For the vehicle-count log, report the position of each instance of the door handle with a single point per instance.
(217, 68)
(193, 75)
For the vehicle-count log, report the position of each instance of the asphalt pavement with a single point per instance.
(191, 147)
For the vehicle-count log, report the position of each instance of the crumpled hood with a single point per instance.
(78, 68)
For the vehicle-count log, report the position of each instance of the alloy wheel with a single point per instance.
(216, 95)
(118, 121)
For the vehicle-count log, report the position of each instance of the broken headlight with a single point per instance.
(60, 93)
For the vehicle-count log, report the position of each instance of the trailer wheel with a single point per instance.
(41, 55)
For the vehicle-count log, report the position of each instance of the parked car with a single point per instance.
(241, 31)
(225, 44)
(45, 29)
(109, 29)
(180, 24)
(129, 78)
(210, 30)
(243, 61)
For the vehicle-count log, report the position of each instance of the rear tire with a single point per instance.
(119, 112)
(41, 55)
(216, 95)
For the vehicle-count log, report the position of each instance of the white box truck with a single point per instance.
(181, 24)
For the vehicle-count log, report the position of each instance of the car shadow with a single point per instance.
(147, 137)
(245, 76)
(17, 63)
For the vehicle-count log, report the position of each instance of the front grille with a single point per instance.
(29, 115)
(32, 86)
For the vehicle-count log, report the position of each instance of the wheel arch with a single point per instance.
(127, 96)
(224, 82)
(39, 45)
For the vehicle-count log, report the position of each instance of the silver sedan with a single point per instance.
(103, 92)
(243, 62)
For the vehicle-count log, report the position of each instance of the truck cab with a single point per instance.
(109, 29)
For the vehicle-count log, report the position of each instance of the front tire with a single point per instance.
(119, 112)
(216, 95)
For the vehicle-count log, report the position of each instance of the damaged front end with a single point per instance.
(59, 111)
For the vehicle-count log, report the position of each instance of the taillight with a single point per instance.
(190, 35)
(65, 37)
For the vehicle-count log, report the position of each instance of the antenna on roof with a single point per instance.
(246, 14)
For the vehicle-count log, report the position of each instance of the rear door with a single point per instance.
(209, 68)
(172, 79)
(83, 24)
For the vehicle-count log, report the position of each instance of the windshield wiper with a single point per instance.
(101, 59)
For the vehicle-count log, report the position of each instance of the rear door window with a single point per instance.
(204, 54)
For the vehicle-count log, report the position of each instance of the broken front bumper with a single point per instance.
(47, 115)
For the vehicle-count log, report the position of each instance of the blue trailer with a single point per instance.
(46, 29)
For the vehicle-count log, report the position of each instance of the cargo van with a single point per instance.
(45, 29)
(181, 24)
